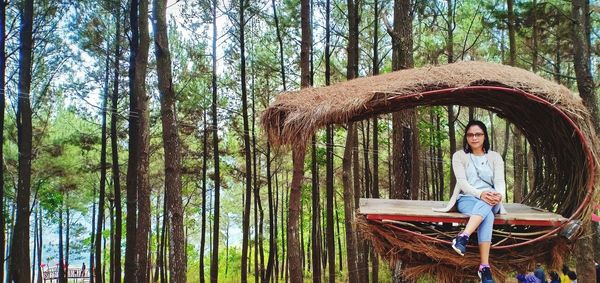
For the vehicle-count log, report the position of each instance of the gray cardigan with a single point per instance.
(460, 161)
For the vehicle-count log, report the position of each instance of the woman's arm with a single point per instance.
(499, 182)
(458, 167)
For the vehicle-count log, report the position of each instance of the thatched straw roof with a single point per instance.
(297, 114)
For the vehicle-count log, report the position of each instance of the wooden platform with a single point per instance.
(421, 210)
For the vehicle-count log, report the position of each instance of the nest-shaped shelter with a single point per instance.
(554, 120)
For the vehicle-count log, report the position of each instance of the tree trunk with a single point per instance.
(404, 140)
(177, 259)
(440, 157)
(204, 199)
(131, 261)
(351, 245)
(405, 136)
(3, 5)
(517, 138)
(352, 49)
(518, 159)
(114, 139)
(375, 192)
(143, 188)
(61, 256)
(338, 236)
(40, 244)
(258, 210)
(214, 262)
(20, 259)
(294, 250)
(272, 220)
(92, 266)
(511, 34)
(329, 234)
(246, 138)
(584, 255)
(103, 167)
(452, 141)
(316, 212)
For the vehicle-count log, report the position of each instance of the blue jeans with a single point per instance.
(471, 205)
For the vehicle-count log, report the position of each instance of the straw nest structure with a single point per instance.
(555, 122)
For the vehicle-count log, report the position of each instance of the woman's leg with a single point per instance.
(477, 209)
(484, 235)
(484, 252)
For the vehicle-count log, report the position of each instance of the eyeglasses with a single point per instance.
(476, 135)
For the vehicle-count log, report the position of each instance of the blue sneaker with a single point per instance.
(485, 274)
(459, 244)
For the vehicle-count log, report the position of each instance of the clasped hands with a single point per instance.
(490, 197)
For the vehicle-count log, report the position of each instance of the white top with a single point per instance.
(460, 164)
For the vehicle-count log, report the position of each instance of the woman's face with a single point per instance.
(475, 138)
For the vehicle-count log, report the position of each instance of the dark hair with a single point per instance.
(486, 141)
(572, 275)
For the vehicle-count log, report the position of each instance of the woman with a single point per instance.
(479, 191)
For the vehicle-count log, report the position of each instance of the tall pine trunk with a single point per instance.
(103, 167)
(214, 262)
(20, 259)
(450, 22)
(518, 188)
(2, 107)
(61, 255)
(584, 251)
(351, 245)
(143, 188)
(404, 139)
(114, 140)
(246, 139)
(177, 258)
(294, 257)
(272, 221)
(204, 199)
(134, 148)
(375, 189)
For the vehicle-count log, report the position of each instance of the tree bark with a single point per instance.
(329, 231)
(352, 49)
(584, 255)
(171, 143)
(246, 139)
(143, 188)
(214, 262)
(450, 22)
(101, 195)
(20, 259)
(135, 87)
(40, 244)
(92, 239)
(316, 219)
(61, 256)
(404, 140)
(293, 242)
(204, 199)
(3, 5)
(518, 187)
(375, 192)
(272, 220)
(114, 139)
(351, 245)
